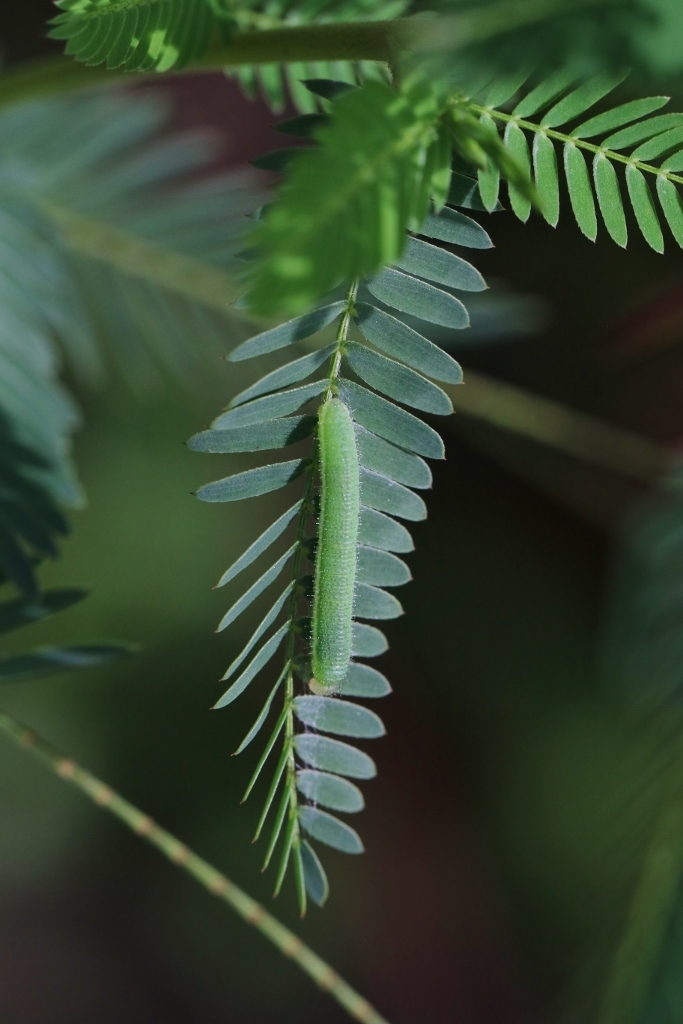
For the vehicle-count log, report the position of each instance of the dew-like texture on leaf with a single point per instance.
(580, 191)
(373, 603)
(456, 228)
(545, 93)
(22, 611)
(269, 407)
(383, 457)
(440, 266)
(44, 661)
(402, 342)
(252, 482)
(644, 208)
(253, 668)
(334, 756)
(386, 419)
(671, 203)
(330, 791)
(546, 178)
(315, 878)
(377, 491)
(261, 544)
(329, 714)
(260, 630)
(298, 329)
(329, 830)
(290, 373)
(256, 437)
(256, 589)
(582, 98)
(378, 530)
(609, 199)
(368, 642)
(618, 116)
(380, 568)
(637, 133)
(364, 681)
(409, 295)
(397, 381)
(518, 147)
(660, 145)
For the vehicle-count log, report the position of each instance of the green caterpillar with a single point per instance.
(335, 565)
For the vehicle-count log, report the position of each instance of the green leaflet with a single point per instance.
(659, 146)
(262, 628)
(387, 420)
(435, 264)
(380, 568)
(402, 342)
(372, 603)
(328, 714)
(256, 437)
(672, 206)
(260, 545)
(263, 714)
(503, 89)
(22, 611)
(644, 208)
(290, 373)
(368, 642)
(383, 457)
(628, 137)
(252, 482)
(546, 178)
(581, 98)
(464, 191)
(45, 661)
(253, 668)
(609, 199)
(373, 127)
(397, 381)
(364, 681)
(298, 329)
(515, 140)
(256, 589)
(409, 295)
(329, 830)
(580, 191)
(314, 876)
(141, 35)
(330, 791)
(545, 93)
(386, 495)
(334, 756)
(379, 531)
(455, 228)
(489, 178)
(623, 114)
(269, 408)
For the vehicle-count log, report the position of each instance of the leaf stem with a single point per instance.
(208, 876)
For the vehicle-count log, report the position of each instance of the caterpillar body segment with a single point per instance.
(335, 566)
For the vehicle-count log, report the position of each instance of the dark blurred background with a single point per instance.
(502, 840)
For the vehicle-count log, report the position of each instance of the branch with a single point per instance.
(550, 423)
(216, 883)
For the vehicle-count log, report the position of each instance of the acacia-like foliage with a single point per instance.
(630, 137)
(392, 366)
(102, 244)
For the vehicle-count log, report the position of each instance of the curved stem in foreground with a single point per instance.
(209, 877)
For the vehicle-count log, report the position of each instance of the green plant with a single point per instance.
(402, 122)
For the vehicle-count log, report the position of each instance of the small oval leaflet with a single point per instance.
(334, 756)
(298, 329)
(329, 830)
(364, 681)
(330, 791)
(370, 602)
(394, 424)
(368, 642)
(409, 295)
(402, 342)
(257, 437)
(315, 878)
(377, 491)
(384, 457)
(377, 530)
(328, 714)
(252, 482)
(380, 568)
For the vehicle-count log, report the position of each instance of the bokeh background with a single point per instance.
(515, 791)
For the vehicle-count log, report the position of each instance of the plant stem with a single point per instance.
(208, 876)
(354, 41)
(575, 433)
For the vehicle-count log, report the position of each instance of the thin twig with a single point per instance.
(558, 426)
(209, 877)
